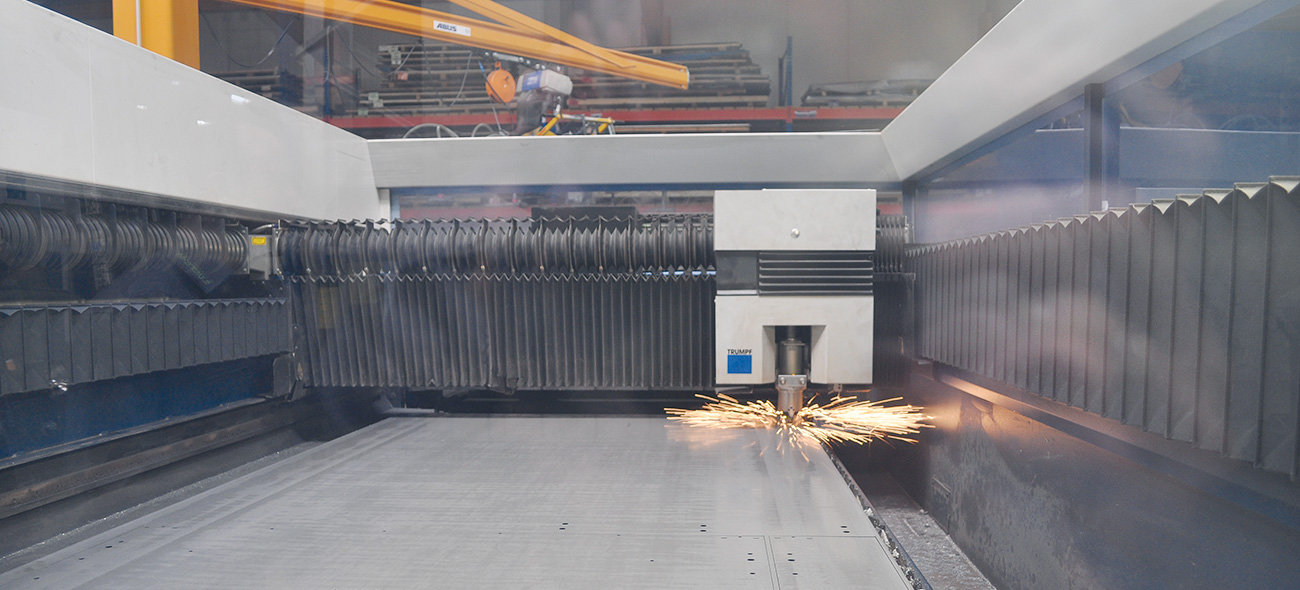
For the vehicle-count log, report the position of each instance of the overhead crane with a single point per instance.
(170, 28)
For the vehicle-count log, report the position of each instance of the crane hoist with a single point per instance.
(170, 27)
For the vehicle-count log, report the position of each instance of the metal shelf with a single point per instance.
(791, 116)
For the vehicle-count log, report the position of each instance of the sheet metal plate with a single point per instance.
(502, 502)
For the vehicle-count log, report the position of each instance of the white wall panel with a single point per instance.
(772, 159)
(1039, 57)
(98, 111)
(45, 104)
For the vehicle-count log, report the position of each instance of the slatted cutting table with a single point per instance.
(503, 502)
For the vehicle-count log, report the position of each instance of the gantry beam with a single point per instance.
(523, 36)
(167, 27)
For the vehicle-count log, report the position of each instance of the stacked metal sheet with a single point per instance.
(722, 75)
(1179, 317)
(275, 84)
(427, 79)
(875, 93)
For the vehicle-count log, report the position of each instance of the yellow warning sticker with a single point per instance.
(259, 240)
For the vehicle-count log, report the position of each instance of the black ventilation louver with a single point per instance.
(815, 272)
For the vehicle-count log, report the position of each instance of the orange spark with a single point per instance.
(842, 420)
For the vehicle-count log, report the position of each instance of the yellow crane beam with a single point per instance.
(167, 27)
(517, 35)
(519, 21)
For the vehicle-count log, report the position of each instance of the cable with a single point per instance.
(259, 62)
(438, 126)
(335, 83)
(461, 91)
(490, 131)
(490, 102)
(498, 119)
(404, 60)
(356, 60)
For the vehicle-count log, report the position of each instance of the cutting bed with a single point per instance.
(504, 502)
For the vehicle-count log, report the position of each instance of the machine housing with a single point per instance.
(794, 258)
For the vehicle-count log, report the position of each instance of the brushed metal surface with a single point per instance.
(987, 93)
(101, 117)
(502, 502)
(710, 160)
(767, 220)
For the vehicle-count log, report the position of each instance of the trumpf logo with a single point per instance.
(450, 28)
(740, 361)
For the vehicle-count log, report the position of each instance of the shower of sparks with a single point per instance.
(843, 420)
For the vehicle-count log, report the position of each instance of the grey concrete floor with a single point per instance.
(501, 502)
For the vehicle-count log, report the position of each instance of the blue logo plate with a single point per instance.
(740, 364)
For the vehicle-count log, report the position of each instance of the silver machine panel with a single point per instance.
(542, 502)
(828, 293)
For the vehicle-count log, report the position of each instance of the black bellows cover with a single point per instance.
(578, 304)
(1181, 317)
(59, 344)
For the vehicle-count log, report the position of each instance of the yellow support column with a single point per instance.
(167, 27)
(124, 20)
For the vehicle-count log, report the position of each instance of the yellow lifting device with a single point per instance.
(166, 25)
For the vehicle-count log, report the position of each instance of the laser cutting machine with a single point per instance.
(795, 302)
(227, 359)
